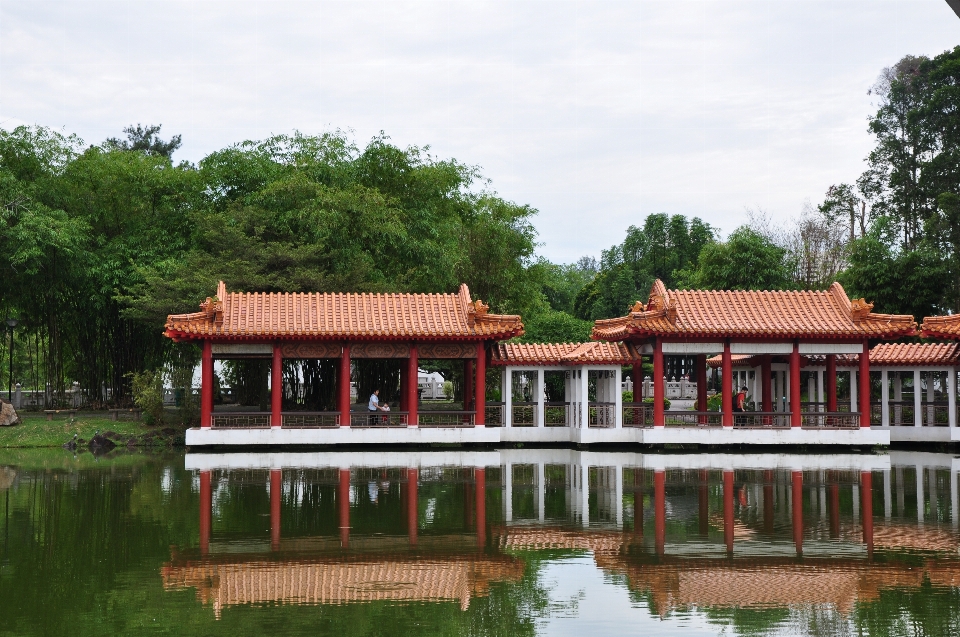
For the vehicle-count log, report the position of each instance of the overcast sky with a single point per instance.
(595, 113)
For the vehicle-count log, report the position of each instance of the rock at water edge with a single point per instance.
(8, 415)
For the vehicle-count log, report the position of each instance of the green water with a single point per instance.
(358, 544)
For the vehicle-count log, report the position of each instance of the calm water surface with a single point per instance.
(522, 541)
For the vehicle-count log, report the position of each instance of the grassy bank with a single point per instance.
(36, 431)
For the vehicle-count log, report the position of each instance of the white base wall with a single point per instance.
(543, 435)
(922, 434)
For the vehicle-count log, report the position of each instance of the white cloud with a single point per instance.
(596, 113)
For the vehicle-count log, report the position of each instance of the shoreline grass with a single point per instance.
(35, 431)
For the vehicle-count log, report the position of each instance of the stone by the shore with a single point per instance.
(8, 415)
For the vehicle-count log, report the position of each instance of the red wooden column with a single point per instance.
(660, 510)
(343, 389)
(480, 476)
(276, 489)
(797, 499)
(636, 376)
(726, 387)
(659, 419)
(343, 500)
(468, 384)
(701, 382)
(728, 510)
(276, 387)
(206, 512)
(831, 383)
(866, 502)
(768, 501)
(765, 389)
(703, 500)
(480, 387)
(865, 386)
(796, 419)
(206, 384)
(413, 397)
(413, 511)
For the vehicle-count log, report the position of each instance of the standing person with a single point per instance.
(740, 402)
(373, 405)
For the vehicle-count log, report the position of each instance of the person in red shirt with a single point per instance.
(740, 400)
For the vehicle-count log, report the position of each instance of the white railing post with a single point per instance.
(952, 396)
(618, 401)
(541, 387)
(17, 397)
(853, 391)
(507, 396)
(884, 399)
(917, 399)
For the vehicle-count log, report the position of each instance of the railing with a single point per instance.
(692, 418)
(493, 414)
(556, 414)
(240, 420)
(375, 419)
(830, 420)
(761, 420)
(310, 419)
(601, 415)
(936, 414)
(843, 405)
(901, 413)
(638, 415)
(448, 419)
(523, 415)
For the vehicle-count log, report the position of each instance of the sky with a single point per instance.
(596, 113)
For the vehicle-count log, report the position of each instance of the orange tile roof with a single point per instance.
(564, 354)
(254, 315)
(752, 314)
(941, 327)
(882, 355)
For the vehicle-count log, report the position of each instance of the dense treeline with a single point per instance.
(99, 244)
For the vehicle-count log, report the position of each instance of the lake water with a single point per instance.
(521, 541)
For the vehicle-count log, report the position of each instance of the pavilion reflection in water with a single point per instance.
(697, 530)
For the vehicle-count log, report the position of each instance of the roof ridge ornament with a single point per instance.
(213, 309)
(637, 308)
(859, 309)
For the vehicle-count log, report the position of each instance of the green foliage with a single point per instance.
(666, 402)
(147, 390)
(665, 246)
(555, 327)
(745, 261)
(715, 402)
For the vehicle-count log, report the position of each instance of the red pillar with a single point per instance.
(796, 410)
(703, 497)
(727, 385)
(413, 512)
(481, 493)
(206, 384)
(765, 389)
(343, 380)
(831, 382)
(865, 386)
(206, 511)
(833, 500)
(728, 510)
(343, 499)
(798, 510)
(276, 489)
(636, 376)
(276, 387)
(658, 418)
(768, 501)
(701, 382)
(866, 502)
(480, 387)
(468, 384)
(413, 396)
(660, 510)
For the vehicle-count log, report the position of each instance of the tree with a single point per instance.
(145, 139)
(555, 327)
(745, 261)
